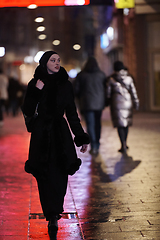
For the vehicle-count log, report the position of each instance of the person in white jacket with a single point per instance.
(3, 94)
(123, 99)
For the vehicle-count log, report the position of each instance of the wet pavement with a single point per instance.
(112, 196)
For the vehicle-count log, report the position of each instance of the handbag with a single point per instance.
(30, 121)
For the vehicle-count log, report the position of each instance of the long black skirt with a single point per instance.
(52, 191)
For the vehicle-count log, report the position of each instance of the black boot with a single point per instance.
(53, 227)
(123, 148)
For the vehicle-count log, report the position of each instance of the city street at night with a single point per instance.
(113, 196)
(102, 53)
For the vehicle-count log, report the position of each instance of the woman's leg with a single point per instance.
(126, 133)
(122, 136)
(51, 192)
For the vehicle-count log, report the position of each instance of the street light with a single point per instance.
(73, 2)
(76, 47)
(39, 19)
(42, 36)
(32, 6)
(41, 28)
(56, 42)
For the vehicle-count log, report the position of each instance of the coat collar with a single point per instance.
(41, 73)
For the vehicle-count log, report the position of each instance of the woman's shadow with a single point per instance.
(122, 167)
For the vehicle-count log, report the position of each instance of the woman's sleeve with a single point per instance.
(77, 88)
(72, 116)
(31, 99)
(134, 95)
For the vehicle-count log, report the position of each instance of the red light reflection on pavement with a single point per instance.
(14, 187)
(68, 226)
(19, 198)
(81, 189)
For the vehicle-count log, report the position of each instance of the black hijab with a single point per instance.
(45, 57)
(41, 71)
(51, 81)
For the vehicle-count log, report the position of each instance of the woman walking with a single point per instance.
(52, 155)
(123, 97)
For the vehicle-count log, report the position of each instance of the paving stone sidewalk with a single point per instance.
(112, 196)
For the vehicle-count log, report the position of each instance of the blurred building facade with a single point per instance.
(133, 36)
(69, 25)
(136, 41)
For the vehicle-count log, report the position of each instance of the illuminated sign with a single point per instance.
(124, 3)
(25, 3)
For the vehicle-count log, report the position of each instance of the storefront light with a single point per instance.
(110, 33)
(126, 11)
(2, 51)
(74, 2)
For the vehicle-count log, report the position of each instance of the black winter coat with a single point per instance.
(51, 138)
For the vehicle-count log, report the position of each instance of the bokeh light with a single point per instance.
(56, 42)
(2, 51)
(39, 19)
(38, 56)
(77, 47)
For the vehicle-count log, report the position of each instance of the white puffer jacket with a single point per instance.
(123, 98)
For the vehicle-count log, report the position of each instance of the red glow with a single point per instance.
(25, 3)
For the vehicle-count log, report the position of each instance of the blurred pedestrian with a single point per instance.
(90, 90)
(15, 92)
(3, 94)
(52, 154)
(123, 97)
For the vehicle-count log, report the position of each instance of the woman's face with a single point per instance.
(53, 64)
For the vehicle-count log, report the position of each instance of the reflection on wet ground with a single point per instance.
(113, 196)
(125, 165)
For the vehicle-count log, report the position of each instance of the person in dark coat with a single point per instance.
(15, 93)
(52, 154)
(123, 98)
(90, 90)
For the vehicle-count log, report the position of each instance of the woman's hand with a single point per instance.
(84, 148)
(39, 84)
